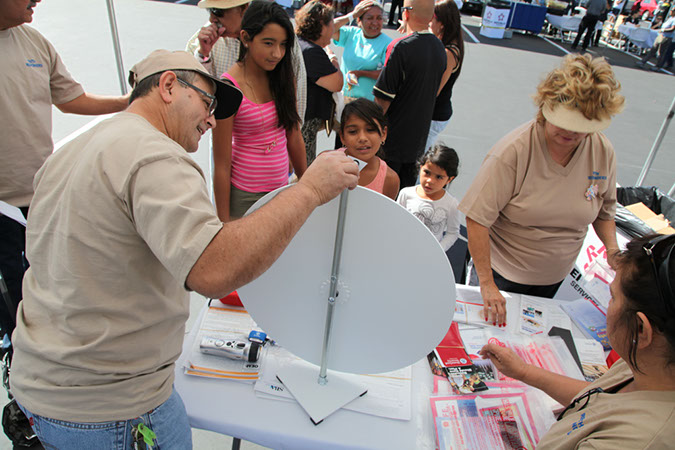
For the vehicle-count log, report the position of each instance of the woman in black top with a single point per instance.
(314, 27)
(446, 26)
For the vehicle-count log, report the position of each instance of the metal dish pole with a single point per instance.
(332, 295)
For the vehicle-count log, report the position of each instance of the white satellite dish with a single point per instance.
(394, 296)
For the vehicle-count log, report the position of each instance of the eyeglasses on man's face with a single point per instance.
(210, 101)
(407, 8)
(662, 246)
(218, 12)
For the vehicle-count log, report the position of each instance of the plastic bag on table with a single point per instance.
(546, 352)
(507, 420)
(596, 281)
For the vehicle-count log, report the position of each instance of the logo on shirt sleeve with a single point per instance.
(577, 425)
(33, 63)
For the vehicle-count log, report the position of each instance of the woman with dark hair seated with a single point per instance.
(633, 405)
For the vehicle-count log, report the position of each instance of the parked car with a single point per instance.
(473, 7)
(647, 7)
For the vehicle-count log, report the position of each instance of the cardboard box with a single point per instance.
(657, 223)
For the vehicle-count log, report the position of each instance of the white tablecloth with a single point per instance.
(567, 23)
(232, 408)
(629, 29)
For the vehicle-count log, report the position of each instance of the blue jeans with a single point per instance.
(435, 129)
(169, 422)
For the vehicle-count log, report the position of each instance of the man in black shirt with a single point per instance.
(407, 87)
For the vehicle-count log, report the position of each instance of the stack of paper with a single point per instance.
(592, 358)
(389, 394)
(223, 322)
(469, 306)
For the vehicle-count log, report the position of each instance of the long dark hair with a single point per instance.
(282, 79)
(639, 288)
(447, 13)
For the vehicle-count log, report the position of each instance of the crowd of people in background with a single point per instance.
(266, 87)
(664, 46)
(610, 15)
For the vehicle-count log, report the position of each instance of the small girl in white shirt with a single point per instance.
(428, 201)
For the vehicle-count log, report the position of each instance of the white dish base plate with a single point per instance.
(319, 401)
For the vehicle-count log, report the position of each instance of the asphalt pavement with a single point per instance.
(494, 92)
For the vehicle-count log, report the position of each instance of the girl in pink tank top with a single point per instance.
(363, 131)
(252, 149)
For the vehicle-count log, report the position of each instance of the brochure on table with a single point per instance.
(223, 322)
(524, 314)
(469, 306)
(590, 318)
(592, 356)
(478, 409)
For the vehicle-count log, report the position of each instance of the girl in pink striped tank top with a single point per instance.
(363, 131)
(252, 149)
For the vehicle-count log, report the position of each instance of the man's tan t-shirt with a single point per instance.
(120, 216)
(633, 420)
(538, 211)
(32, 78)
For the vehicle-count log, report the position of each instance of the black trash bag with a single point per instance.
(627, 222)
(652, 198)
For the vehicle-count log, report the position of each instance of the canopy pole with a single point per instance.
(116, 45)
(657, 144)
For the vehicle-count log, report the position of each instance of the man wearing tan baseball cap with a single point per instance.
(121, 228)
(216, 44)
(226, 99)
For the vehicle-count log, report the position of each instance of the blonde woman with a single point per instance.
(540, 186)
